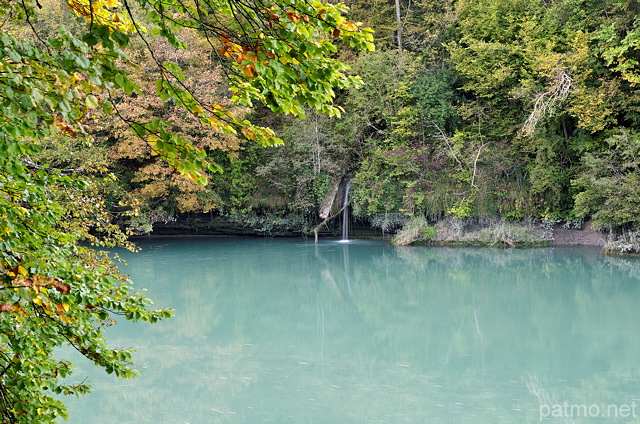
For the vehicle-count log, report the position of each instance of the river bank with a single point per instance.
(444, 232)
(585, 236)
(448, 232)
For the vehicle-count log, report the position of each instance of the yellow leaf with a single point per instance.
(22, 271)
(111, 3)
(249, 133)
(63, 307)
(151, 141)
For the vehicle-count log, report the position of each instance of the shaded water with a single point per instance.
(286, 331)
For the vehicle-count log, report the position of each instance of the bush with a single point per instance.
(626, 243)
(507, 234)
(414, 230)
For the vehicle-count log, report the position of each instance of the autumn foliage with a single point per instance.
(138, 85)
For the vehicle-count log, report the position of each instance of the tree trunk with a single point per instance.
(399, 23)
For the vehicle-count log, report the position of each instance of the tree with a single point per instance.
(610, 189)
(53, 289)
(144, 177)
(399, 23)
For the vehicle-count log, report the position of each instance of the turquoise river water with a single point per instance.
(287, 331)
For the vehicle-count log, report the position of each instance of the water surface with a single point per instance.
(285, 331)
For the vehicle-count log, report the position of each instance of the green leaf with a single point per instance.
(92, 102)
(91, 39)
(120, 38)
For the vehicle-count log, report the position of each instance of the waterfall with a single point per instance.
(345, 212)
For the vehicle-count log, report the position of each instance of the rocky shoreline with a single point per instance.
(586, 236)
(449, 233)
(214, 225)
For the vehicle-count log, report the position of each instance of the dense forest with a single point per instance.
(469, 110)
(117, 116)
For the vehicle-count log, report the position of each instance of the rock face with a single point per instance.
(325, 210)
(215, 225)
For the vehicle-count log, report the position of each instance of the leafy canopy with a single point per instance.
(54, 290)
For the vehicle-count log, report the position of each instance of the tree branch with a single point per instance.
(64, 172)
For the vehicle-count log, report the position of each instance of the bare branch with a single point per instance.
(545, 103)
(63, 172)
(447, 140)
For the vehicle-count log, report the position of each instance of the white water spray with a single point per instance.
(345, 213)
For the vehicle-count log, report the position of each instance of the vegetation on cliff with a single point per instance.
(469, 109)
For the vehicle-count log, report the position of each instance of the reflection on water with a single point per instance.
(287, 331)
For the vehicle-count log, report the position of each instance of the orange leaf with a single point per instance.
(64, 127)
(249, 70)
(62, 287)
(249, 133)
(293, 17)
